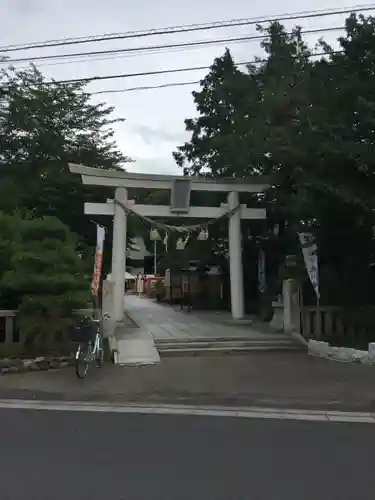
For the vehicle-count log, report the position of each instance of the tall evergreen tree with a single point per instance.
(43, 126)
(308, 124)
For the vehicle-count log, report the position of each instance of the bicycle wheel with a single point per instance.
(83, 359)
(100, 353)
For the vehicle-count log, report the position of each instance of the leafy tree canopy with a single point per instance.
(43, 127)
(308, 124)
(42, 274)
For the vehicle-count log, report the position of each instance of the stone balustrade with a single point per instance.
(308, 320)
(331, 321)
(8, 325)
(8, 333)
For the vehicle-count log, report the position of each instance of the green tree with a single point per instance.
(216, 145)
(9, 231)
(45, 276)
(43, 127)
(308, 125)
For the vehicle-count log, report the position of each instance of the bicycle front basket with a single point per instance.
(82, 333)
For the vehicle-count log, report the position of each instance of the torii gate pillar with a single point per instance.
(119, 253)
(235, 258)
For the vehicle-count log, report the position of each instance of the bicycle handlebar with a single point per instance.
(97, 321)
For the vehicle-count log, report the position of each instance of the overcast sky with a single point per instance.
(154, 118)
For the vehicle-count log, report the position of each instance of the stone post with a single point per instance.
(292, 321)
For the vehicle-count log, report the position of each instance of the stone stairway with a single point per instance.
(224, 345)
(173, 332)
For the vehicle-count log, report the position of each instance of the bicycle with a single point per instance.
(90, 345)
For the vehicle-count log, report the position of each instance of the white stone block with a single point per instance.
(317, 344)
(342, 354)
(371, 357)
(318, 348)
(366, 360)
(359, 355)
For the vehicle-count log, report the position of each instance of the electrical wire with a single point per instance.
(146, 87)
(90, 79)
(187, 28)
(162, 47)
(194, 82)
(167, 71)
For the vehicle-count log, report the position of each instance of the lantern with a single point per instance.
(180, 244)
(154, 235)
(203, 235)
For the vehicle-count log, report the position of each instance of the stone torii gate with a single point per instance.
(180, 187)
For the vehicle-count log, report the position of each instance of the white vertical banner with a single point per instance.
(310, 256)
(100, 237)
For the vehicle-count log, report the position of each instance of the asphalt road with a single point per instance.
(63, 455)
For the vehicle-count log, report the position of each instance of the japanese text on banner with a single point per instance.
(100, 236)
(310, 256)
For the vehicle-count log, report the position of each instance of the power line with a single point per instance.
(163, 71)
(134, 50)
(187, 28)
(195, 82)
(145, 87)
(104, 58)
(130, 75)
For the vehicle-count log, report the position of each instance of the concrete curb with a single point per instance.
(253, 412)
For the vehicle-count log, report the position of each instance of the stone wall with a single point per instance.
(343, 354)
(17, 365)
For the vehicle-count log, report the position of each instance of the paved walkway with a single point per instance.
(135, 345)
(153, 328)
(164, 322)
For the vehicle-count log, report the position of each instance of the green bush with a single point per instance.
(45, 277)
(14, 350)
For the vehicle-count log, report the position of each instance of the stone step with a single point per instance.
(227, 340)
(227, 346)
(223, 342)
(225, 350)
